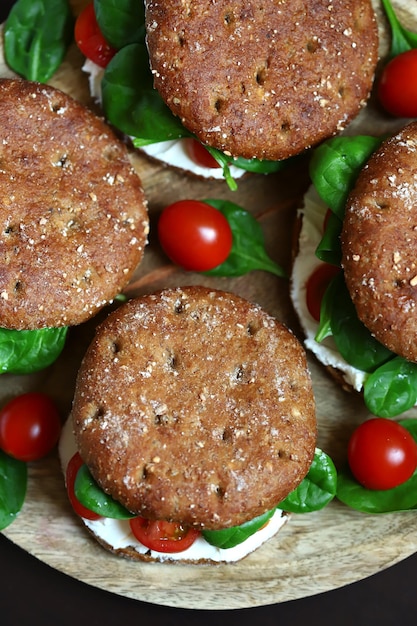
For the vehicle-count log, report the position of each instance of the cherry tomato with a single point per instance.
(397, 88)
(382, 454)
(70, 475)
(89, 38)
(200, 155)
(194, 235)
(316, 286)
(29, 426)
(163, 536)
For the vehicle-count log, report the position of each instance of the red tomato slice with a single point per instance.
(397, 88)
(382, 454)
(71, 474)
(163, 536)
(316, 286)
(89, 38)
(200, 155)
(194, 235)
(29, 426)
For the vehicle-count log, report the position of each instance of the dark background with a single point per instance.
(33, 593)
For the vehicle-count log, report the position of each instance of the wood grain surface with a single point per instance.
(312, 553)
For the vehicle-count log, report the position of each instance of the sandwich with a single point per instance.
(73, 216)
(365, 331)
(255, 85)
(193, 411)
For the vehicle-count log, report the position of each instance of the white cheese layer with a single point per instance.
(117, 534)
(312, 214)
(173, 153)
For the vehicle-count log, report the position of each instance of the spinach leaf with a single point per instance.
(93, 497)
(26, 351)
(231, 537)
(353, 340)
(248, 249)
(329, 249)
(401, 38)
(392, 388)
(259, 166)
(326, 310)
(37, 34)
(131, 103)
(316, 490)
(13, 484)
(335, 165)
(121, 21)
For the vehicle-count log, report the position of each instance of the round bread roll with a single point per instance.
(194, 405)
(379, 242)
(73, 215)
(263, 80)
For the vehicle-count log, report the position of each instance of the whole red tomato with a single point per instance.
(397, 88)
(29, 426)
(89, 38)
(382, 454)
(194, 235)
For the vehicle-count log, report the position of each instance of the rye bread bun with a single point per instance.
(263, 80)
(196, 406)
(73, 215)
(379, 243)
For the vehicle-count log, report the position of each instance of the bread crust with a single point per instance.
(196, 406)
(379, 242)
(73, 216)
(263, 80)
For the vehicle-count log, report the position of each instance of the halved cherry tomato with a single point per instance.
(397, 87)
(382, 454)
(89, 38)
(200, 155)
(163, 536)
(316, 286)
(70, 476)
(194, 235)
(29, 426)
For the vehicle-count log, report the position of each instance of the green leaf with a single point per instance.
(37, 34)
(329, 249)
(258, 166)
(248, 250)
(13, 484)
(392, 388)
(93, 497)
(122, 22)
(26, 351)
(401, 498)
(231, 537)
(326, 311)
(316, 490)
(401, 38)
(131, 103)
(335, 165)
(353, 340)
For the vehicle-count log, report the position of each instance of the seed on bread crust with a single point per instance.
(196, 406)
(379, 243)
(264, 80)
(73, 217)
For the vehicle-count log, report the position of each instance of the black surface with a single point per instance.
(32, 593)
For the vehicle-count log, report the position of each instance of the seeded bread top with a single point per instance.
(73, 217)
(264, 80)
(196, 406)
(379, 243)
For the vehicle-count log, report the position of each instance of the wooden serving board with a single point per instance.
(313, 553)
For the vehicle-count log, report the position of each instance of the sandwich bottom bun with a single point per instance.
(195, 406)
